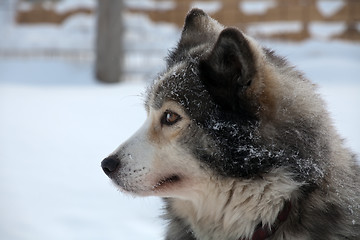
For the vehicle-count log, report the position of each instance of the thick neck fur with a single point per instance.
(231, 209)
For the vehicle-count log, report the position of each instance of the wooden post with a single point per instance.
(109, 49)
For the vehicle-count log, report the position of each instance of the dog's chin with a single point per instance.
(162, 187)
(166, 183)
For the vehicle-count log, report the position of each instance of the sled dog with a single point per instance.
(239, 145)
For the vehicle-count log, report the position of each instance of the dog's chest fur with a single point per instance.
(232, 209)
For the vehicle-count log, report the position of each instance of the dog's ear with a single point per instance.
(199, 28)
(228, 71)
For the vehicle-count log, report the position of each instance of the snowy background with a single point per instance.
(57, 124)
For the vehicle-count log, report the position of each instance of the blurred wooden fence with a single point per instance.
(53, 53)
(234, 13)
(256, 17)
(244, 13)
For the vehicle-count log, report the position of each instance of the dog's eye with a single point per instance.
(170, 118)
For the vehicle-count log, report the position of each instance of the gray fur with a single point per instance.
(304, 142)
(255, 118)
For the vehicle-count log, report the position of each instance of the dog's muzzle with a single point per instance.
(110, 164)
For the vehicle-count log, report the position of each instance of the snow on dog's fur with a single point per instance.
(239, 145)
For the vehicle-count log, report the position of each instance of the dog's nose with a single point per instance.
(110, 164)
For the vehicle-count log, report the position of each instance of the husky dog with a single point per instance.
(239, 145)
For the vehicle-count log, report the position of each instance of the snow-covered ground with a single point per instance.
(57, 124)
(53, 137)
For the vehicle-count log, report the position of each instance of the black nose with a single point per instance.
(110, 164)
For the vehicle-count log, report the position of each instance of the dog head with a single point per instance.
(211, 113)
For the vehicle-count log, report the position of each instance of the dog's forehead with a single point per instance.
(180, 83)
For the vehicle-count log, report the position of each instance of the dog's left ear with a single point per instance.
(199, 28)
(229, 71)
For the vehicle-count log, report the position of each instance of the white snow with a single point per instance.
(150, 4)
(24, 6)
(326, 30)
(54, 134)
(146, 58)
(209, 7)
(77, 32)
(274, 28)
(60, 7)
(256, 6)
(317, 30)
(57, 124)
(64, 6)
(329, 7)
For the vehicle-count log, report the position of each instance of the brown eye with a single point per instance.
(170, 118)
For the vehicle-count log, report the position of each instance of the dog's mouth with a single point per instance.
(167, 181)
